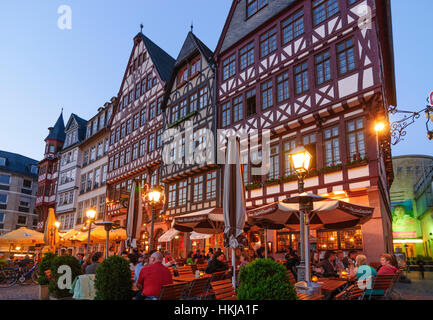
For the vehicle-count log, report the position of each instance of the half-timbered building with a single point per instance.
(317, 73)
(189, 168)
(136, 126)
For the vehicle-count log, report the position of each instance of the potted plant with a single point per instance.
(44, 269)
(113, 280)
(57, 262)
(265, 279)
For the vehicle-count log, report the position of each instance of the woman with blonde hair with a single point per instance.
(364, 274)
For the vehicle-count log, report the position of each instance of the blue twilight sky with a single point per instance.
(43, 68)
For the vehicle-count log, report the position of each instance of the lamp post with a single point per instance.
(91, 214)
(301, 160)
(155, 197)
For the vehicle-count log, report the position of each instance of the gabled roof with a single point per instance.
(16, 163)
(163, 62)
(237, 27)
(191, 44)
(58, 131)
(81, 126)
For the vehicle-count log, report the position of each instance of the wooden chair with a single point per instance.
(173, 291)
(375, 265)
(202, 267)
(223, 290)
(198, 289)
(218, 276)
(193, 267)
(351, 293)
(391, 290)
(304, 296)
(184, 270)
(292, 279)
(380, 282)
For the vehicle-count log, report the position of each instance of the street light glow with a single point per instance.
(91, 213)
(57, 224)
(379, 127)
(301, 160)
(154, 196)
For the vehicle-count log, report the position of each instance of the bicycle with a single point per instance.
(10, 276)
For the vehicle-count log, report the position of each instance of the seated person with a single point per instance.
(328, 265)
(365, 275)
(97, 258)
(152, 278)
(217, 263)
(386, 265)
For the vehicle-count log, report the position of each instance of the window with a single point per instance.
(324, 9)
(246, 56)
(346, 56)
(128, 155)
(238, 107)
(274, 169)
(289, 146)
(255, 5)
(123, 130)
(152, 110)
(159, 138)
(89, 181)
(267, 96)
(323, 67)
(409, 170)
(174, 114)
(101, 210)
(83, 184)
(183, 108)
(292, 27)
(268, 42)
(117, 134)
(245, 168)
(142, 116)
(143, 86)
(22, 220)
(92, 154)
(149, 82)
(110, 164)
(3, 198)
(151, 142)
(106, 146)
(128, 126)
(183, 187)
(112, 137)
(172, 196)
(229, 67)
(356, 140)
(283, 87)
(196, 66)
(97, 177)
(352, 2)
(183, 75)
(104, 175)
(211, 185)
(95, 126)
(122, 158)
(226, 114)
(193, 100)
(203, 97)
(198, 189)
(309, 139)
(301, 78)
(159, 106)
(138, 90)
(5, 179)
(251, 102)
(116, 161)
(136, 121)
(332, 147)
(135, 151)
(142, 147)
(2, 161)
(131, 96)
(100, 149)
(154, 179)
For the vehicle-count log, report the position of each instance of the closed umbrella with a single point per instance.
(234, 201)
(51, 234)
(134, 219)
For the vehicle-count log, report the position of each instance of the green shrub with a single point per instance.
(45, 265)
(113, 280)
(72, 262)
(265, 279)
(3, 263)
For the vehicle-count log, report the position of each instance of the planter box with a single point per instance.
(43, 292)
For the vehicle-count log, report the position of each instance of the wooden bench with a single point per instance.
(202, 267)
(173, 291)
(381, 282)
(198, 288)
(223, 290)
(181, 271)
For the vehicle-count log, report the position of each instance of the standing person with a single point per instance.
(87, 262)
(328, 264)
(339, 260)
(97, 258)
(386, 265)
(350, 260)
(152, 278)
(217, 264)
(420, 263)
(80, 258)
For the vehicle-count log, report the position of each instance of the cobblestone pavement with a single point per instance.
(20, 292)
(419, 289)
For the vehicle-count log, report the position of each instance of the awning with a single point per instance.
(199, 236)
(209, 221)
(168, 236)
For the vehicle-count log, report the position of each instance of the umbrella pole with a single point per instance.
(234, 267)
(307, 251)
(266, 244)
(106, 244)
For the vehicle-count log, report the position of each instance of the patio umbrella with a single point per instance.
(22, 236)
(209, 221)
(199, 236)
(168, 236)
(234, 201)
(99, 234)
(51, 234)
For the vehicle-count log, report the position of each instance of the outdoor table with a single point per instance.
(304, 296)
(189, 278)
(329, 286)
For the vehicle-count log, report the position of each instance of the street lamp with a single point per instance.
(155, 197)
(301, 160)
(90, 214)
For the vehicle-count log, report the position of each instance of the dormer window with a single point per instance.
(51, 149)
(183, 75)
(2, 161)
(254, 6)
(195, 66)
(34, 169)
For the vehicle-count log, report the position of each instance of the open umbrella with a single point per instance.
(209, 221)
(22, 236)
(234, 201)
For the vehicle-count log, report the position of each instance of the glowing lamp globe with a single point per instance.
(301, 160)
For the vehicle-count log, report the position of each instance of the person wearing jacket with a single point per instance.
(217, 264)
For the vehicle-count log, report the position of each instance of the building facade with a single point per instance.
(136, 129)
(317, 74)
(94, 166)
(69, 172)
(189, 170)
(48, 172)
(18, 188)
(412, 205)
